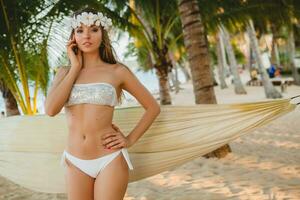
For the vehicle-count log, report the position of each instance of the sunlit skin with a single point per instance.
(91, 132)
(91, 34)
(112, 137)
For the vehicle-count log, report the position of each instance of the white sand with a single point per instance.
(264, 164)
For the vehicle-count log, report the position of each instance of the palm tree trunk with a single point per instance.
(274, 53)
(177, 82)
(163, 66)
(291, 44)
(197, 50)
(238, 85)
(174, 75)
(248, 60)
(215, 82)
(19, 63)
(269, 88)
(185, 70)
(7, 72)
(11, 106)
(221, 63)
(249, 64)
(164, 89)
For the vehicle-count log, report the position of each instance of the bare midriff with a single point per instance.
(87, 123)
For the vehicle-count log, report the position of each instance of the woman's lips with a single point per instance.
(87, 44)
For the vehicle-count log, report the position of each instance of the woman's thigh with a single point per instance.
(111, 183)
(79, 185)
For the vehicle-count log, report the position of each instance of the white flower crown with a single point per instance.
(91, 18)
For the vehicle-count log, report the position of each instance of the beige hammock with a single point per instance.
(31, 146)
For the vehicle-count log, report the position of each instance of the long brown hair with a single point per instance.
(106, 51)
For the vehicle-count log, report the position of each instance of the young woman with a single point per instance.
(96, 157)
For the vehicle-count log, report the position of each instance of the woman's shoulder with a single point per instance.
(122, 68)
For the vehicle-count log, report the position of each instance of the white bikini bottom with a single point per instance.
(93, 167)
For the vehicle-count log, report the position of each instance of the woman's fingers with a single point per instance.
(71, 41)
(109, 139)
(116, 144)
(72, 45)
(113, 144)
(114, 140)
(107, 135)
(75, 58)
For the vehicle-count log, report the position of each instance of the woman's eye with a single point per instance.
(79, 31)
(95, 30)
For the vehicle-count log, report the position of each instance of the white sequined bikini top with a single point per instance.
(93, 93)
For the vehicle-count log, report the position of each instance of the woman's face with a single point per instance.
(88, 38)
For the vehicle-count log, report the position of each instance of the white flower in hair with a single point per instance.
(104, 21)
(91, 18)
(74, 23)
(100, 15)
(97, 23)
(85, 18)
(109, 22)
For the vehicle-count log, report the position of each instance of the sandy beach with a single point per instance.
(264, 164)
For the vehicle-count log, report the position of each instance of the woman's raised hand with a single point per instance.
(76, 60)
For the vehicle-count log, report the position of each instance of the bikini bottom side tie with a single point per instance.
(93, 167)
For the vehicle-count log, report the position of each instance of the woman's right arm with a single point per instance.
(60, 90)
(63, 81)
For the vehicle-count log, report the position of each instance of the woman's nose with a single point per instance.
(86, 34)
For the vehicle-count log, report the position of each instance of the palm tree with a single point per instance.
(10, 42)
(274, 52)
(152, 27)
(174, 75)
(221, 60)
(238, 86)
(154, 36)
(270, 90)
(11, 105)
(197, 49)
(25, 28)
(23, 57)
(263, 16)
(291, 46)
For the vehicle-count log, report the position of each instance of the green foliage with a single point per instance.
(154, 28)
(240, 57)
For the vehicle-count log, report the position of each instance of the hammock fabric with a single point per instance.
(31, 146)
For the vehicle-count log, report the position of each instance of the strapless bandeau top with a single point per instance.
(93, 93)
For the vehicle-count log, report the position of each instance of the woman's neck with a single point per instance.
(91, 60)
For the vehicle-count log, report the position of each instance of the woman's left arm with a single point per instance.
(131, 84)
